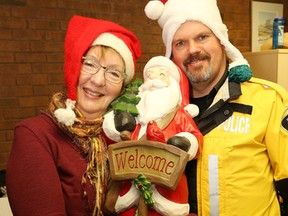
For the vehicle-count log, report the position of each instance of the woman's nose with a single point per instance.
(98, 79)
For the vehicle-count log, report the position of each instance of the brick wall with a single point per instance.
(31, 48)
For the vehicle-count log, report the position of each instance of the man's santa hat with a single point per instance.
(82, 33)
(172, 13)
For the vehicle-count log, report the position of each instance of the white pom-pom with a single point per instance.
(154, 9)
(192, 109)
(66, 116)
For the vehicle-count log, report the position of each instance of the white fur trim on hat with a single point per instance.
(108, 39)
(176, 12)
(161, 61)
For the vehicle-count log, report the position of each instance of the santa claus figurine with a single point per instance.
(161, 118)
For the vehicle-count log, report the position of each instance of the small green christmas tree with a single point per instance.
(128, 100)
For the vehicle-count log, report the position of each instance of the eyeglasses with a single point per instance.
(92, 66)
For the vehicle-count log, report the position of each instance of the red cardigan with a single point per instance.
(44, 171)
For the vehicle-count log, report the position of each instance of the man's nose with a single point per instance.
(193, 47)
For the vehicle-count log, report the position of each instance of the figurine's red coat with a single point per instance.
(182, 122)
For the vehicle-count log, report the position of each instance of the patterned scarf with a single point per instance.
(86, 136)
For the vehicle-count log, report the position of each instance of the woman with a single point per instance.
(58, 161)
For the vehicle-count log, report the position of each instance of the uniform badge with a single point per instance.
(284, 122)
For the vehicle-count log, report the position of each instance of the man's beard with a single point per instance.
(156, 103)
(204, 74)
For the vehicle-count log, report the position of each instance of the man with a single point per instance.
(161, 118)
(243, 167)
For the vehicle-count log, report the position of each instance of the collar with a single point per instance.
(222, 91)
(225, 89)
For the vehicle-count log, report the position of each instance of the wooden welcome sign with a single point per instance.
(162, 164)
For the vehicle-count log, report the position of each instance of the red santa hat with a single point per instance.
(172, 13)
(82, 33)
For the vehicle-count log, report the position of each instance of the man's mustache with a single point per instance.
(195, 57)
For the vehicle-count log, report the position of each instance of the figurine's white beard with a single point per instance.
(160, 101)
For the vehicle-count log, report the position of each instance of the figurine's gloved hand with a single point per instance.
(124, 121)
(185, 141)
(180, 142)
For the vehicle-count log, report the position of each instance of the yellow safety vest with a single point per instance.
(243, 156)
